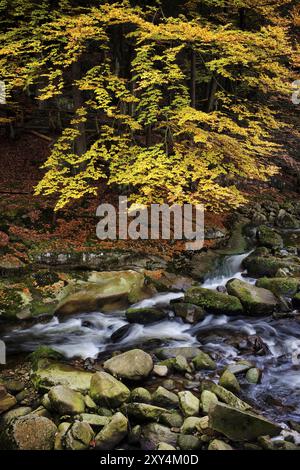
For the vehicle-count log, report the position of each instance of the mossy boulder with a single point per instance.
(225, 395)
(44, 352)
(203, 361)
(145, 315)
(268, 266)
(269, 237)
(188, 312)
(229, 381)
(165, 398)
(214, 302)
(240, 425)
(47, 373)
(255, 300)
(113, 433)
(140, 395)
(207, 400)
(132, 365)
(142, 412)
(286, 286)
(107, 390)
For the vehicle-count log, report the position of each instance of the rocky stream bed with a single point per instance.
(121, 351)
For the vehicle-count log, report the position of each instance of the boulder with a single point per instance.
(225, 395)
(214, 302)
(29, 433)
(188, 403)
(142, 412)
(48, 374)
(240, 425)
(204, 361)
(145, 315)
(217, 444)
(162, 397)
(132, 365)
(113, 433)
(105, 288)
(269, 237)
(190, 313)
(8, 416)
(7, 401)
(229, 381)
(107, 390)
(261, 266)
(193, 424)
(207, 400)
(188, 442)
(172, 419)
(160, 371)
(65, 401)
(255, 300)
(140, 395)
(168, 353)
(78, 436)
(253, 375)
(286, 286)
(94, 420)
(152, 434)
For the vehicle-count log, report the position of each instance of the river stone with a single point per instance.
(7, 401)
(48, 374)
(66, 401)
(229, 381)
(189, 404)
(204, 361)
(253, 375)
(143, 412)
(165, 398)
(172, 419)
(188, 442)
(145, 315)
(269, 237)
(287, 286)
(217, 444)
(7, 417)
(165, 446)
(190, 313)
(152, 434)
(29, 433)
(107, 287)
(168, 353)
(193, 424)
(160, 371)
(240, 425)
(140, 395)
(207, 399)
(79, 436)
(269, 266)
(132, 365)
(107, 390)
(214, 302)
(113, 433)
(60, 435)
(256, 300)
(225, 395)
(239, 367)
(93, 420)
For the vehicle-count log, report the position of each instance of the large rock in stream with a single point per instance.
(214, 302)
(255, 300)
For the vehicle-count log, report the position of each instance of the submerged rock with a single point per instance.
(214, 302)
(256, 300)
(240, 425)
(132, 365)
(107, 390)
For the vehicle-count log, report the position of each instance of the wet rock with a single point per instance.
(89, 403)
(188, 312)
(132, 365)
(214, 302)
(165, 281)
(286, 286)
(229, 381)
(121, 333)
(225, 395)
(207, 400)
(168, 353)
(261, 266)
(180, 364)
(269, 237)
(237, 243)
(162, 397)
(202, 263)
(240, 425)
(188, 442)
(254, 345)
(79, 436)
(253, 375)
(7, 401)
(145, 315)
(107, 287)
(239, 367)
(152, 434)
(48, 374)
(140, 395)
(107, 390)
(113, 433)
(203, 361)
(188, 403)
(66, 401)
(217, 444)
(29, 433)
(255, 300)
(142, 412)
(44, 352)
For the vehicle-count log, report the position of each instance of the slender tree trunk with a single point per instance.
(148, 136)
(193, 79)
(242, 13)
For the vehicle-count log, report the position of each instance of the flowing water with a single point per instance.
(227, 338)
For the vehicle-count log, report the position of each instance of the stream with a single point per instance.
(226, 338)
